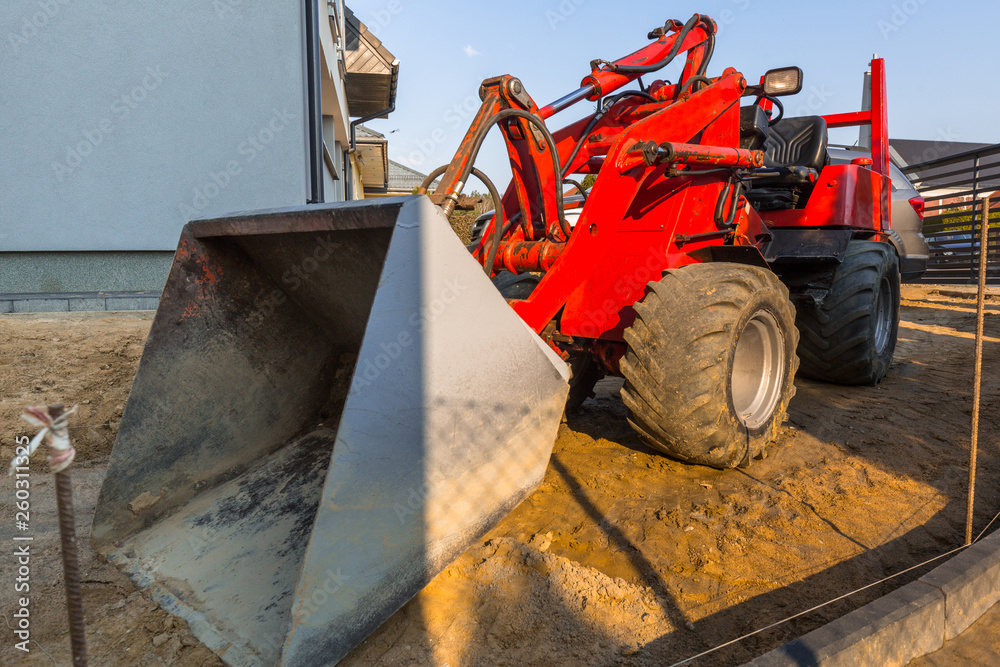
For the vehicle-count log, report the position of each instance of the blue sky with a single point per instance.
(447, 48)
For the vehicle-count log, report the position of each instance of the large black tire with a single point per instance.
(516, 285)
(710, 363)
(851, 337)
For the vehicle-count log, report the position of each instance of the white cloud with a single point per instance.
(471, 52)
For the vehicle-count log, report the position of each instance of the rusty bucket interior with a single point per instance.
(333, 403)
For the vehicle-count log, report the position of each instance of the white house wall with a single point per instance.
(122, 121)
(334, 92)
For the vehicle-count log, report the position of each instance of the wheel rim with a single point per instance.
(883, 315)
(758, 370)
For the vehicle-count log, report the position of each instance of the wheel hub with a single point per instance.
(758, 370)
(883, 316)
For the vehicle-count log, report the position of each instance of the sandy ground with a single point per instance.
(622, 556)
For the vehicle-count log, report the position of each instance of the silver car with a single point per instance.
(907, 217)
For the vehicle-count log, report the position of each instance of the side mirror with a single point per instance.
(781, 82)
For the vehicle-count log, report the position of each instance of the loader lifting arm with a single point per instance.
(537, 158)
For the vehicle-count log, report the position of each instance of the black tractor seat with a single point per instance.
(794, 154)
(798, 142)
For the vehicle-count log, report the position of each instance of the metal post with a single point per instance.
(71, 568)
(983, 255)
(975, 196)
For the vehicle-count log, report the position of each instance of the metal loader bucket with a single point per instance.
(332, 404)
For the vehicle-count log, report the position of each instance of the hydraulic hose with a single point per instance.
(422, 190)
(700, 74)
(499, 221)
(708, 55)
(698, 78)
(597, 118)
(647, 69)
(553, 152)
(500, 226)
(730, 194)
(579, 187)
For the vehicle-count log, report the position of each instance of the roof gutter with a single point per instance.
(378, 114)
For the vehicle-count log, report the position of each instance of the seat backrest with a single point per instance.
(797, 142)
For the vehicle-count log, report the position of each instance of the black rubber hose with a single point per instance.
(579, 187)
(597, 118)
(720, 204)
(553, 151)
(647, 69)
(781, 111)
(731, 192)
(500, 226)
(698, 78)
(422, 190)
(700, 74)
(499, 221)
(731, 220)
(708, 55)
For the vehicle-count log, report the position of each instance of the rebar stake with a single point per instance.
(71, 566)
(980, 313)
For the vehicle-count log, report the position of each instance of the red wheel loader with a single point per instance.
(303, 450)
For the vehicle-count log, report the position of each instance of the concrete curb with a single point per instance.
(78, 301)
(908, 623)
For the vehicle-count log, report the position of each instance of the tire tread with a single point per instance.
(835, 343)
(676, 349)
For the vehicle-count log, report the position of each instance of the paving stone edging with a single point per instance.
(78, 301)
(910, 622)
